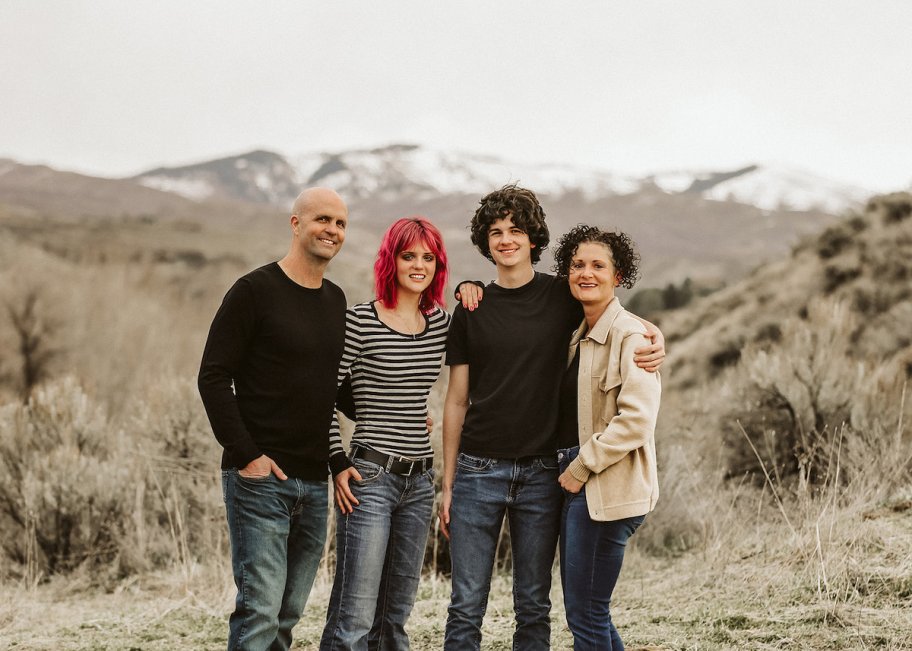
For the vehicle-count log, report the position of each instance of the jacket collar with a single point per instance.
(600, 332)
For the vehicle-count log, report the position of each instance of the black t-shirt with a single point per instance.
(279, 344)
(567, 414)
(515, 344)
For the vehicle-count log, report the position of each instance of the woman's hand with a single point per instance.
(345, 499)
(570, 483)
(470, 294)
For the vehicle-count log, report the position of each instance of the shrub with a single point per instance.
(793, 398)
(77, 491)
(833, 241)
(896, 207)
(64, 482)
(837, 275)
(179, 460)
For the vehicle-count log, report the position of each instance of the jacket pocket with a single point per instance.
(609, 387)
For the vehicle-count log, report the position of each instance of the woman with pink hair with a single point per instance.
(384, 486)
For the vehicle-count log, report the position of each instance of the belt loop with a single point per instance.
(389, 463)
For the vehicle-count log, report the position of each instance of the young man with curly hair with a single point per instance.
(500, 422)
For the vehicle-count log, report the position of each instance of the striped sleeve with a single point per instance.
(338, 460)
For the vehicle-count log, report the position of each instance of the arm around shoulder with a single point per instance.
(651, 354)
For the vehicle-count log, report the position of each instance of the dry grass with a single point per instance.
(762, 589)
(817, 559)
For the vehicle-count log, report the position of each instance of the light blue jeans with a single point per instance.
(484, 492)
(277, 530)
(380, 549)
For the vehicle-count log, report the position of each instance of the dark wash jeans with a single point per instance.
(379, 555)
(277, 530)
(591, 555)
(527, 493)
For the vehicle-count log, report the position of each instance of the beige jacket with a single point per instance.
(617, 409)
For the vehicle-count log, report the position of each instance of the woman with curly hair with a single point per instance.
(384, 486)
(607, 415)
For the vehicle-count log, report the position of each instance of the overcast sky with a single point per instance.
(114, 87)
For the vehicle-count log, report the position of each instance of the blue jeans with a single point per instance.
(379, 555)
(484, 491)
(277, 530)
(591, 555)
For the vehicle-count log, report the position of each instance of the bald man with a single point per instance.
(268, 382)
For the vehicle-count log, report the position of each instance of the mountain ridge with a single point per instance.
(402, 171)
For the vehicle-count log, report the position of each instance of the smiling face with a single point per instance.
(592, 275)
(319, 224)
(509, 244)
(415, 267)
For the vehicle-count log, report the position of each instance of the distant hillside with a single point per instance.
(808, 358)
(682, 230)
(69, 196)
(864, 261)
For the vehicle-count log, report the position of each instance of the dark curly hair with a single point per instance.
(623, 254)
(520, 204)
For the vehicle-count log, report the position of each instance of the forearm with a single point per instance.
(453, 419)
(225, 415)
(455, 407)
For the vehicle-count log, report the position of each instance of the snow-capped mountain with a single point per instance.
(398, 170)
(767, 187)
(257, 176)
(412, 172)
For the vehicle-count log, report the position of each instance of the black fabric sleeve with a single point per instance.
(457, 347)
(232, 330)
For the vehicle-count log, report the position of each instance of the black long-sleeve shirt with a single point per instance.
(279, 345)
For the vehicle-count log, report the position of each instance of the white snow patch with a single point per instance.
(673, 182)
(192, 188)
(424, 171)
(773, 188)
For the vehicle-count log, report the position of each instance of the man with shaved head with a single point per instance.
(268, 382)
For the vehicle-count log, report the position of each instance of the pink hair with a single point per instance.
(402, 234)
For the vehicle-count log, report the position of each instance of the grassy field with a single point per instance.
(785, 520)
(751, 590)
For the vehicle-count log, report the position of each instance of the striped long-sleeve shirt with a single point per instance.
(392, 374)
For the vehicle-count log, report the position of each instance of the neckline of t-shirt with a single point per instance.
(407, 335)
(515, 290)
(281, 272)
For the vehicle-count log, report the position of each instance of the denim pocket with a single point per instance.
(255, 480)
(470, 463)
(370, 471)
(548, 462)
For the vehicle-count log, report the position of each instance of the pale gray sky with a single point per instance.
(114, 87)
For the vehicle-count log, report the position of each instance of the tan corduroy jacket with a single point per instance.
(617, 408)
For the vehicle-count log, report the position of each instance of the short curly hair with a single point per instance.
(522, 206)
(623, 252)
